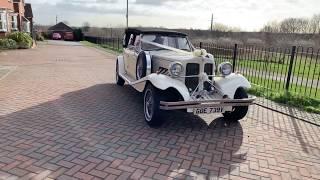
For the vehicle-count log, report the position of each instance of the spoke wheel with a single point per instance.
(148, 105)
(151, 107)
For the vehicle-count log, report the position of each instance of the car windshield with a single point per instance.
(178, 42)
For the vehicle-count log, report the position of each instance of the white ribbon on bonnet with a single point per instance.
(196, 52)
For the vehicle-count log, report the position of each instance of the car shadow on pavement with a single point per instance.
(105, 124)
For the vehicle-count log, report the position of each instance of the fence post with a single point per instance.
(235, 52)
(118, 44)
(200, 45)
(293, 53)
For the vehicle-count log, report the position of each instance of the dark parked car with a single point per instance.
(68, 36)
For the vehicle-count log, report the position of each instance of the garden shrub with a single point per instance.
(24, 40)
(8, 44)
(46, 35)
(39, 37)
(78, 35)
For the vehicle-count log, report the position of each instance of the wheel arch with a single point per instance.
(172, 94)
(120, 63)
(230, 84)
(168, 85)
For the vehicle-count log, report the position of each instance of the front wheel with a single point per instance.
(238, 112)
(151, 107)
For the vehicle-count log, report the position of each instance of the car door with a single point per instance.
(131, 62)
(131, 54)
(127, 55)
(134, 56)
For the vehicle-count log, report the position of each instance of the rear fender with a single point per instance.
(229, 84)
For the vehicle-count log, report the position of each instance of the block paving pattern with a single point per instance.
(62, 117)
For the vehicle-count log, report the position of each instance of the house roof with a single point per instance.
(154, 31)
(28, 11)
(60, 27)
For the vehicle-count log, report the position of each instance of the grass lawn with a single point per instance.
(279, 86)
(106, 47)
(304, 65)
(293, 99)
(301, 68)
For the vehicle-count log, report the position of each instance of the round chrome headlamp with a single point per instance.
(176, 69)
(225, 68)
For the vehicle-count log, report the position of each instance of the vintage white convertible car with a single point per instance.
(173, 75)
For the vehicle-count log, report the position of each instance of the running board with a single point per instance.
(126, 78)
(136, 84)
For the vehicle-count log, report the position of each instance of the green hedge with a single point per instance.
(8, 44)
(24, 40)
(39, 37)
(78, 35)
(46, 35)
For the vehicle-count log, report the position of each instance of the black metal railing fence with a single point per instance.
(112, 43)
(295, 69)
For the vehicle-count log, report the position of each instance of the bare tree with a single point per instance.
(302, 25)
(314, 24)
(86, 27)
(224, 28)
(272, 26)
(289, 25)
(294, 25)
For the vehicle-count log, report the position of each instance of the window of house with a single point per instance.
(14, 22)
(3, 22)
(26, 27)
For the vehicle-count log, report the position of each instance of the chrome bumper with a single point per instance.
(206, 103)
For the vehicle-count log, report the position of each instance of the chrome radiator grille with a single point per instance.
(208, 68)
(191, 70)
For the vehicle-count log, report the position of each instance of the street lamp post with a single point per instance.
(127, 15)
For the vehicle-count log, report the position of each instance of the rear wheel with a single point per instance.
(119, 80)
(151, 107)
(238, 112)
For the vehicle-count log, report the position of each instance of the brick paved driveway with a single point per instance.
(62, 117)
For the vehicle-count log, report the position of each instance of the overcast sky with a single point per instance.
(249, 15)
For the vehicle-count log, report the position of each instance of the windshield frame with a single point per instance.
(191, 47)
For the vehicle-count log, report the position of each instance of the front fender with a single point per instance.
(162, 82)
(121, 64)
(229, 84)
